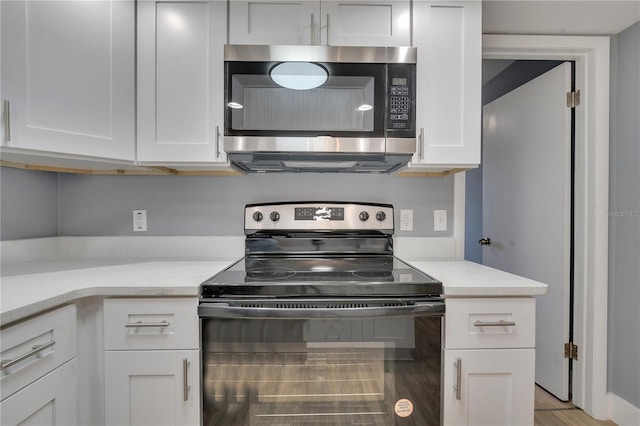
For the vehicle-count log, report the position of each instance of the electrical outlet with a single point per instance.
(439, 220)
(406, 220)
(139, 221)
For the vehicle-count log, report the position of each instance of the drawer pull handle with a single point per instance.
(501, 323)
(34, 350)
(141, 324)
(185, 382)
(458, 386)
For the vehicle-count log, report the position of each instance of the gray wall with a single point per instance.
(202, 205)
(28, 204)
(624, 220)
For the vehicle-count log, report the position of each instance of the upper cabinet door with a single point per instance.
(448, 36)
(274, 22)
(308, 22)
(68, 77)
(181, 81)
(366, 23)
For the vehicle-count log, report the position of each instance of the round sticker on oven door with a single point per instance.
(404, 407)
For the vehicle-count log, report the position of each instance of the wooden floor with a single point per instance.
(553, 412)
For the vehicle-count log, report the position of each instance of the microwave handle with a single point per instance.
(328, 40)
(421, 144)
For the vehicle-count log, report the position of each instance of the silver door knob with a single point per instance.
(485, 242)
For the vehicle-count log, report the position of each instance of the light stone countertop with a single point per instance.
(31, 287)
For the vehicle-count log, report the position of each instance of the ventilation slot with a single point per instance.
(252, 305)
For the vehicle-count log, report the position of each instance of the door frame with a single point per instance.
(591, 263)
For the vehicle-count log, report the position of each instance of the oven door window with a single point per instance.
(322, 372)
(305, 99)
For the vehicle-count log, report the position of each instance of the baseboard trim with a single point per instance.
(622, 412)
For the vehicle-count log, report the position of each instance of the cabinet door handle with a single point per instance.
(501, 323)
(34, 351)
(185, 382)
(313, 33)
(458, 386)
(7, 120)
(421, 144)
(141, 324)
(328, 40)
(217, 142)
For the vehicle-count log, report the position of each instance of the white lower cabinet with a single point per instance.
(489, 361)
(488, 387)
(152, 361)
(39, 379)
(152, 387)
(50, 400)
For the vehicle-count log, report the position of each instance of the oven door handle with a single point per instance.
(224, 310)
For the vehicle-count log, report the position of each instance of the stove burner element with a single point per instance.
(380, 274)
(269, 274)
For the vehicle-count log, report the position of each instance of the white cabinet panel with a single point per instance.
(181, 81)
(366, 23)
(448, 105)
(496, 387)
(37, 346)
(170, 323)
(336, 23)
(475, 323)
(151, 387)
(274, 22)
(51, 400)
(68, 75)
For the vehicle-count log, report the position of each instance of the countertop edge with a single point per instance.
(73, 296)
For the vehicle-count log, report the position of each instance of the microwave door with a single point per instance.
(304, 99)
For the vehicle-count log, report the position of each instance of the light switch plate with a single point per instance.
(439, 220)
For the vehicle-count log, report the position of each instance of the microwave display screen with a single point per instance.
(397, 81)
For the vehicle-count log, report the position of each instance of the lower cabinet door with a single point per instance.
(488, 387)
(152, 387)
(50, 400)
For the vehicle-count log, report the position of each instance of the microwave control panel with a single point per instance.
(401, 91)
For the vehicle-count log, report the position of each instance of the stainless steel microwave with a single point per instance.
(319, 108)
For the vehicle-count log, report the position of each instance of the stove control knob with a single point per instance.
(364, 216)
(275, 216)
(381, 216)
(257, 216)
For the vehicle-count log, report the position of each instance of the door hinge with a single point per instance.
(571, 351)
(573, 99)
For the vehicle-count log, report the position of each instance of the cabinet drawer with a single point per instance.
(159, 323)
(477, 323)
(33, 348)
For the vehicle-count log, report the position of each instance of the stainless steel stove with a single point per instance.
(320, 324)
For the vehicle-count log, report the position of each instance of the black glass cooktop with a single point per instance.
(286, 276)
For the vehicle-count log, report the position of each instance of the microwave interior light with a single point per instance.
(235, 105)
(299, 75)
(365, 107)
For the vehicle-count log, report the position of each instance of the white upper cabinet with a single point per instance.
(68, 77)
(181, 81)
(448, 36)
(366, 23)
(337, 23)
(274, 22)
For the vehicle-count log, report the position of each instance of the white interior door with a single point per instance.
(527, 206)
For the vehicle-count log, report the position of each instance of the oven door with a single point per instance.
(340, 364)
